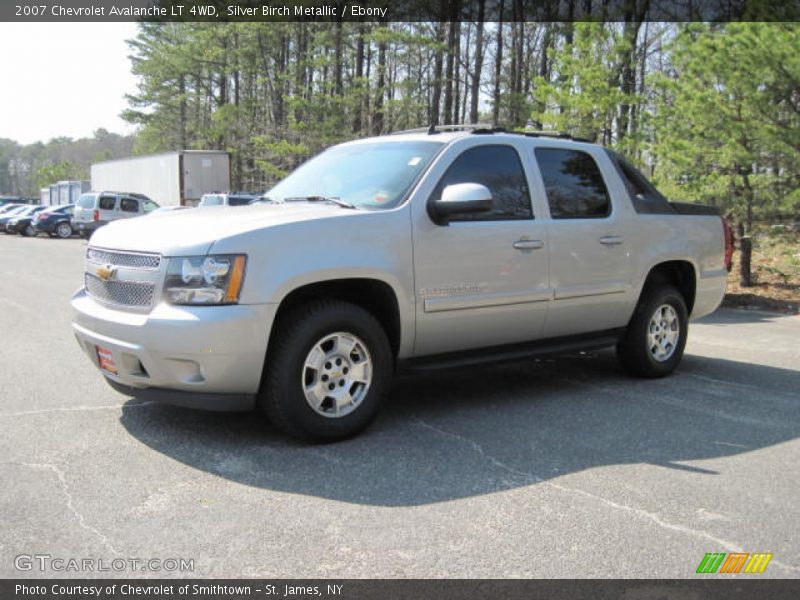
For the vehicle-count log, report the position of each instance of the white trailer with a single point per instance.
(173, 178)
(44, 196)
(68, 192)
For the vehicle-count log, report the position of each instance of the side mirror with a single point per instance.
(460, 198)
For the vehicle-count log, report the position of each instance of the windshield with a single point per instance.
(368, 175)
(208, 200)
(87, 200)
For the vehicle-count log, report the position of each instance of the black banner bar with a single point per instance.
(398, 10)
(713, 588)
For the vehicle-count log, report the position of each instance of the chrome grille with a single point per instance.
(131, 260)
(123, 293)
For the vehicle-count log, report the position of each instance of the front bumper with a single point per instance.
(208, 357)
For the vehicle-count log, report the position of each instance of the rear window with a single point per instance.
(645, 197)
(212, 201)
(107, 203)
(87, 200)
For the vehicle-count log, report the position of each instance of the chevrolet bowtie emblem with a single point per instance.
(106, 272)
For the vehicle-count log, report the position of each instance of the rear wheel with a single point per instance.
(656, 337)
(329, 369)
(64, 230)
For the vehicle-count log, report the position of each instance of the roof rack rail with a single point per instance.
(552, 134)
(434, 129)
(485, 128)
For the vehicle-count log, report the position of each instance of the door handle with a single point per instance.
(610, 240)
(528, 244)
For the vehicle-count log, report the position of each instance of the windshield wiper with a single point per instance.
(334, 199)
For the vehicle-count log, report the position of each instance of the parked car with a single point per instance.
(227, 199)
(410, 251)
(13, 214)
(54, 221)
(95, 209)
(6, 200)
(10, 206)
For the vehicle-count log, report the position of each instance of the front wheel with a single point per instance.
(329, 369)
(29, 231)
(656, 337)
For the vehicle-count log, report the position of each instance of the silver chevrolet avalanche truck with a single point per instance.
(424, 249)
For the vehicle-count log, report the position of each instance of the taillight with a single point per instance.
(728, 233)
(96, 215)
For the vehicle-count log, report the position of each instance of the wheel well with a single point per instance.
(374, 296)
(679, 273)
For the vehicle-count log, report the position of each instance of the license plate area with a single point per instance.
(105, 360)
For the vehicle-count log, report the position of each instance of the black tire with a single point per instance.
(282, 398)
(28, 231)
(62, 231)
(634, 351)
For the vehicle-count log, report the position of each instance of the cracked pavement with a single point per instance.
(550, 468)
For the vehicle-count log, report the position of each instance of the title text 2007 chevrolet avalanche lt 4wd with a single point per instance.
(420, 249)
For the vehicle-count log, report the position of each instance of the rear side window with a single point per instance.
(87, 200)
(129, 205)
(239, 200)
(106, 203)
(574, 185)
(500, 170)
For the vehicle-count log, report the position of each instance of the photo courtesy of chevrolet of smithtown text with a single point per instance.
(355, 299)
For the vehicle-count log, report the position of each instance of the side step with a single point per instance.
(513, 352)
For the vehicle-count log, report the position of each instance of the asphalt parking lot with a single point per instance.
(552, 468)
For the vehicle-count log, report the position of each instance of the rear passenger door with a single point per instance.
(107, 208)
(589, 249)
(129, 207)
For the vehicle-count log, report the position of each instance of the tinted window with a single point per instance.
(644, 195)
(574, 185)
(106, 203)
(239, 200)
(87, 200)
(500, 170)
(129, 205)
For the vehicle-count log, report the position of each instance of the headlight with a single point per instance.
(213, 279)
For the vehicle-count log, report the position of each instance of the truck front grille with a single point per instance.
(130, 260)
(121, 293)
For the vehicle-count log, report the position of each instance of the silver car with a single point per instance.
(421, 250)
(95, 209)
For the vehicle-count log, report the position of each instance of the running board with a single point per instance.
(513, 352)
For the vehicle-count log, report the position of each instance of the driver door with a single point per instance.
(482, 279)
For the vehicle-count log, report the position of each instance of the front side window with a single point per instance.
(500, 170)
(107, 203)
(574, 185)
(129, 205)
